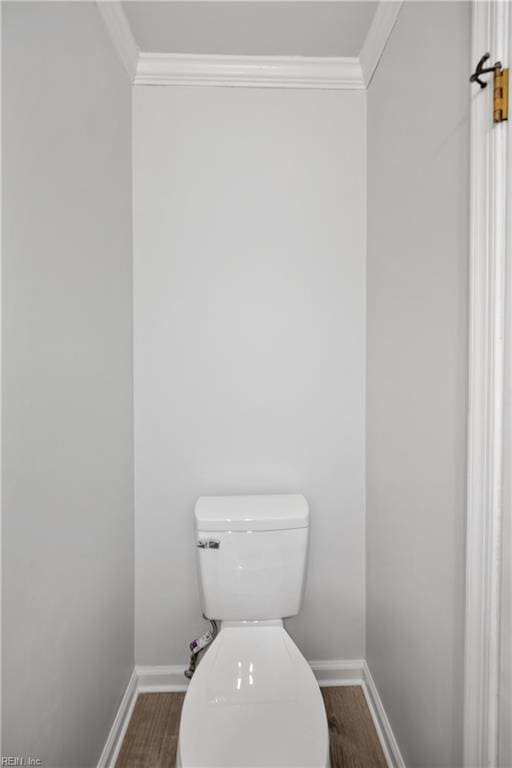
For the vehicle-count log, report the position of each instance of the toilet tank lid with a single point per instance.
(252, 513)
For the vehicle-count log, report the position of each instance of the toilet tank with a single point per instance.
(252, 555)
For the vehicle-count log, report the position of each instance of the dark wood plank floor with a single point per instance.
(152, 734)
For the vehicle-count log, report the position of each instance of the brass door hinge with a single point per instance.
(500, 97)
(500, 90)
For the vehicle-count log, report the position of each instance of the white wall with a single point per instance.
(67, 383)
(418, 227)
(249, 284)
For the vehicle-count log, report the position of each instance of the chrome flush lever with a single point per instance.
(208, 543)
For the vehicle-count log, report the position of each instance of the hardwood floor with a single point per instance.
(352, 734)
(152, 734)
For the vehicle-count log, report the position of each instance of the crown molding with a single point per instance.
(121, 34)
(335, 73)
(321, 72)
(377, 37)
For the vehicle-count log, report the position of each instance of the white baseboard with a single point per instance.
(386, 736)
(161, 679)
(115, 737)
(334, 673)
(170, 679)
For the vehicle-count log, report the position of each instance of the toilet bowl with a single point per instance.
(253, 701)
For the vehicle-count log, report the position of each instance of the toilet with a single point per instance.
(253, 700)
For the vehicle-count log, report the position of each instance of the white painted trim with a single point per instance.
(334, 673)
(377, 37)
(385, 733)
(488, 258)
(1, 379)
(327, 73)
(249, 71)
(161, 679)
(117, 732)
(121, 34)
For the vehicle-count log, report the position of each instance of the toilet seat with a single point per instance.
(253, 702)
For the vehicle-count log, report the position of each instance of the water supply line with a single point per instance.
(199, 646)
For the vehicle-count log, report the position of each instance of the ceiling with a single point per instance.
(264, 28)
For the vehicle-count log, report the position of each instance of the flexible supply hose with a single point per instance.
(200, 645)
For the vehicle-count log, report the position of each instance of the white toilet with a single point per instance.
(253, 700)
